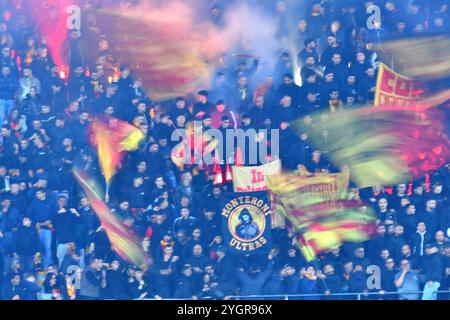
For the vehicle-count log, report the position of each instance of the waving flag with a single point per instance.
(163, 46)
(319, 212)
(422, 57)
(384, 146)
(396, 89)
(321, 237)
(113, 138)
(123, 239)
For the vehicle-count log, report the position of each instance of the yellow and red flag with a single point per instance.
(123, 239)
(319, 212)
(113, 138)
(385, 146)
(395, 89)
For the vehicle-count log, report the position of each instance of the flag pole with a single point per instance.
(107, 192)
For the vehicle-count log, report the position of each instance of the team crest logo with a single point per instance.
(247, 222)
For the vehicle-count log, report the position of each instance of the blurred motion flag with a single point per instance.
(112, 138)
(320, 214)
(123, 239)
(292, 193)
(321, 237)
(384, 146)
(427, 58)
(166, 52)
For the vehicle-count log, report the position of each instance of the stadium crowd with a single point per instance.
(52, 245)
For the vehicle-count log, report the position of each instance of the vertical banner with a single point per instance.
(246, 222)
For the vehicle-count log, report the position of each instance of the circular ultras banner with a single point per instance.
(247, 223)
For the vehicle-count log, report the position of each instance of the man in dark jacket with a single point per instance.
(253, 281)
(396, 242)
(26, 244)
(431, 216)
(387, 279)
(227, 282)
(185, 222)
(332, 282)
(360, 258)
(434, 270)
(198, 261)
(65, 222)
(42, 211)
(8, 89)
(289, 88)
(420, 239)
(379, 242)
(358, 280)
(185, 284)
(9, 222)
(203, 105)
(116, 281)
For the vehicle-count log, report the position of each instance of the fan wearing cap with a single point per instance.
(203, 105)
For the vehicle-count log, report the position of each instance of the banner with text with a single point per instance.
(250, 179)
(395, 89)
(246, 222)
